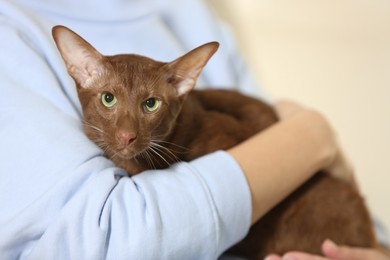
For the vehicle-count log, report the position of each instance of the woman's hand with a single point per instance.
(338, 165)
(335, 252)
(279, 159)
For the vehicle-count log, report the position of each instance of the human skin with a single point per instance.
(303, 140)
(335, 252)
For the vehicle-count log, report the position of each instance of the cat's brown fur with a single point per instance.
(188, 124)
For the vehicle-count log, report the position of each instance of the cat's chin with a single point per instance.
(126, 154)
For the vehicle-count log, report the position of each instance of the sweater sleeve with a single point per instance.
(60, 198)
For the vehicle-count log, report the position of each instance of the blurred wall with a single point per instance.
(332, 55)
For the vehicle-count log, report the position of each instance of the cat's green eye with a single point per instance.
(108, 99)
(152, 104)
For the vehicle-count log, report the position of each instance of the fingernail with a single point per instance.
(272, 257)
(331, 245)
(288, 257)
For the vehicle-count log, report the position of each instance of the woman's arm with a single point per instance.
(278, 160)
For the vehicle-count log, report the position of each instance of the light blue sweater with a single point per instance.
(60, 198)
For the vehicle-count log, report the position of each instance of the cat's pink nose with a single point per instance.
(126, 138)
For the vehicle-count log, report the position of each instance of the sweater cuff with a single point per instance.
(229, 192)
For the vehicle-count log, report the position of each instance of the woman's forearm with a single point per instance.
(279, 159)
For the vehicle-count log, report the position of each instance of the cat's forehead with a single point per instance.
(133, 75)
(133, 62)
(135, 68)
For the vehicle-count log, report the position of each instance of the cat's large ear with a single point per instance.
(84, 62)
(185, 70)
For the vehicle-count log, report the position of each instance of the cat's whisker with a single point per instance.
(169, 154)
(112, 157)
(148, 159)
(101, 144)
(142, 155)
(99, 140)
(162, 149)
(105, 149)
(145, 156)
(165, 151)
(151, 148)
(136, 159)
(172, 144)
(86, 123)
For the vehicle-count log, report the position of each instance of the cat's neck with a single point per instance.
(188, 122)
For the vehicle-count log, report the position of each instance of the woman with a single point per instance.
(61, 199)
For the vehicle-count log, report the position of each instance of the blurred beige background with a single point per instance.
(333, 55)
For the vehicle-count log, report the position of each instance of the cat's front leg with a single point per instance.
(256, 113)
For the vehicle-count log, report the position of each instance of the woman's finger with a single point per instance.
(330, 249)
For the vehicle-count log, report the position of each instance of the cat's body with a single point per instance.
(143, 114)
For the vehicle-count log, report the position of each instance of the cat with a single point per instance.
(144, 114)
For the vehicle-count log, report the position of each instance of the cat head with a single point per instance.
(128, 101)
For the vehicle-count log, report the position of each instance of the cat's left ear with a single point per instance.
(186, 69)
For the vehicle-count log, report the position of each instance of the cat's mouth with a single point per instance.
(126, 153)
(130, 152)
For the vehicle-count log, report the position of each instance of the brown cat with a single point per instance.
(144, 114)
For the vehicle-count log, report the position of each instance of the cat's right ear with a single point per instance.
(186, 69)
(84, 62)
